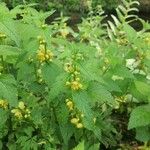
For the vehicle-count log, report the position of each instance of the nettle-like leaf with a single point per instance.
(27, 143)
(143, 88)
(121, 71)
(57, 87)
(8, 89)
(100, 94)
(82, 102)
(8, 27)
(139, 117)
(26, 72)
(37, 115)
(67, 132)
(3, 118)
(6, 50)
(143, 133)
(50, 72)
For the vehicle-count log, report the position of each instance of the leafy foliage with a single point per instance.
(66, 89)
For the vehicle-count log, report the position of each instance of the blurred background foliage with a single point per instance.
(67, 6)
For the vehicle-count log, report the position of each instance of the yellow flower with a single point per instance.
(64, 33)
(75, 121)
(67, 83)
(42, 41)
(68, 67)
(28, 111)
(21, 105)
(2, 35)
(17, 113)
(39, 37)
(49, 56)
(147, 40)
(41, 56)
(3, 104)
(80, 125)
(39, 71)
(42, 47)
(44, 26)
(70, 105)
(76, 85)
(76, 73)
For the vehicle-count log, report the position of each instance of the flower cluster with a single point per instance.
(119, 101)
(68, 67)
(75, 115)
(64, 31)
(74, 82)
(39, 75)
(21, 112)
(69, 104)
(3, 104)
(43, 54)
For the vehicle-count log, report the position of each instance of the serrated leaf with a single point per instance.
(9, 28)
(66, 131)
(143, 133)
(3, 117)
(8, 90)
(143, 88)
(6, 50)
(99, 93)
(81, 100)
(122, 71)
(49, 73)
(139, 117)
(57, 87)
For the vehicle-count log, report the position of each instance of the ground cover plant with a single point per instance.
(62, 89)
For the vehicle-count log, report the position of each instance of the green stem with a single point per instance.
(3, 63)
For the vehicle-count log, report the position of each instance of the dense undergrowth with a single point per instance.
(67, 6)
(83, 90)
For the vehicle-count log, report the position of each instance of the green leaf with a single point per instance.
(122, 71)
(95, 147)
(37, 115)
(6, 50)
(8, 90)
(3, 117)
(130, 32)
(66, 132)
(26, 72)
(8, 27)
(49, 73)
(57, 87)
(80, 146)
(81, 100)
(139, 117)
(143, 133)
(99, 93)
(143, 88)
